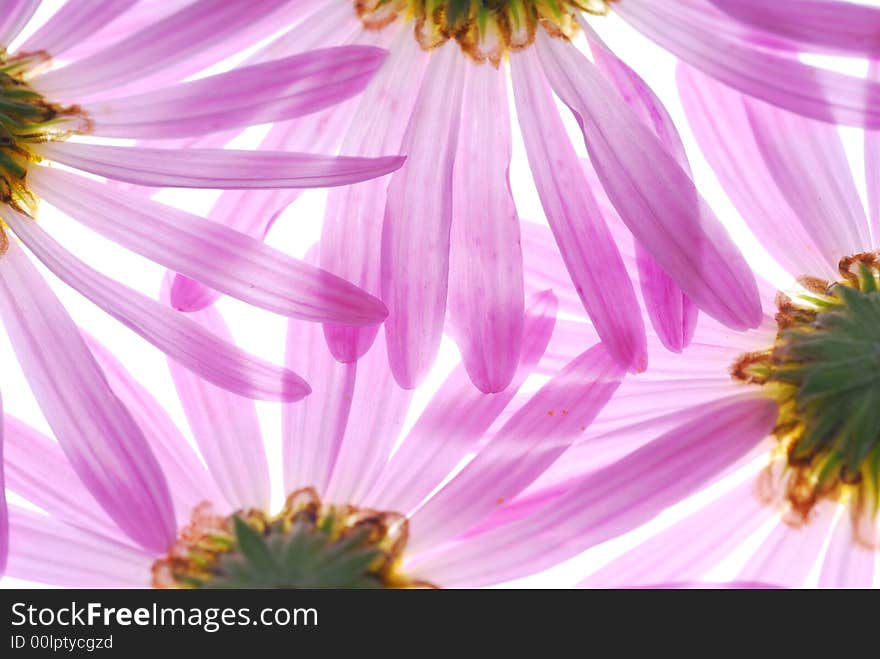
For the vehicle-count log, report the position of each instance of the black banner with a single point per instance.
(116, 622)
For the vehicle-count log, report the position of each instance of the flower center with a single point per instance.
(26, 118)
(485, 29)
(824, 371)
(307, 545)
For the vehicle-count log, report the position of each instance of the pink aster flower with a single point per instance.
(445, 230)
(124, 82)
(122, 90)
(367, 505)
(762, 448)
(444, 233)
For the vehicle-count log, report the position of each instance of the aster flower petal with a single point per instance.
(188, 480)
(314, 429)
(789, 553)
(372, 429)
(29, 454)
(16, 15)
(254, 213)
(269, 91)
(455, 420)
(808, 163)
(847, 564)
(872, 169)
(4, 510)
(359, 210)
(539, 432)
(717, 115)
(612, 500)
(99, 436)
(654, 196)
(49, 551)
(418, 219)
(173, 333)
(225, 427)
(74, 22)
(687, 550)
(126, 24)
(485, 267)
(844, 28)
(175, 39)
(226, 260)
(589, 252)
(672, 313)
(217, 168)
(702, 37)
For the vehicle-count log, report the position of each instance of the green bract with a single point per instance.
(824, 371)
(26, 118)
(305, 546)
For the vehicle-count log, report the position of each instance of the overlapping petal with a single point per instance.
(418, 220)
(654, 196)
(280, 89)
(179, 337)
(225, 260)
(99, 436)
(218, 168)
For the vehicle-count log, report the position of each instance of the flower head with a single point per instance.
(754, 458)
(444, 234)
(124, 80)
(360, 511)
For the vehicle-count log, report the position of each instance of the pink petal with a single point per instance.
(655, 198)
(689, 549)
(672, 314)
(76, 21)
(171, 45)
(808, 163)
(485, 266)
(718, 118)
(218, 168)
(612, 500)
(16, 15)
(313, 430)
(372, 430)
(589, 252)
(358, 211)
(789, 553)
(270, 91)
(46, 550)
(136, 18)
(100, 438)
(226, 260)
(710, 41)
(455, 421)
(4, 511)
(188, 480)
(38, 471)
(418, 219)
(848, 563)
(872, 169)
(225, 427)
(179, 337)
(841, 27)
(254, 213)
(539, 432)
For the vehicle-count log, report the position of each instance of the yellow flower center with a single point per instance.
(824, 372)
(485, 29)
(26, 119)
(307, 545)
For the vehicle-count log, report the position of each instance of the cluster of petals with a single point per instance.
(424, 243)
